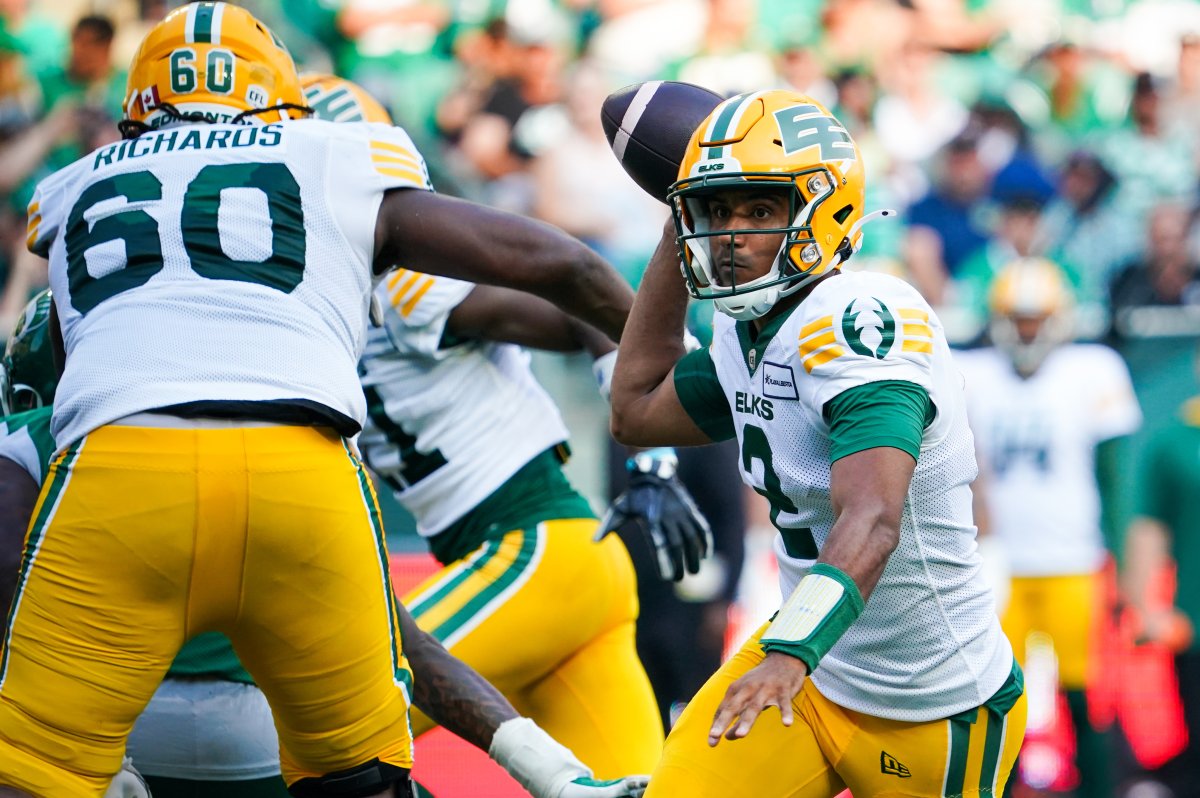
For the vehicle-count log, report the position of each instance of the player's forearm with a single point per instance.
(1147, 551)
(653, 340)
(450, 692)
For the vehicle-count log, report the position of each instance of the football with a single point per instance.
(648, 126)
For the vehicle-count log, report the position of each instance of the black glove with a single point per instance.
(659, 503)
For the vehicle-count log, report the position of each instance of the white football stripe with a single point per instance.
(637, 107)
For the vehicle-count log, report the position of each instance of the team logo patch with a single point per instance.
(869, 327)
(890, 766)
(803, 126)
(779, 382)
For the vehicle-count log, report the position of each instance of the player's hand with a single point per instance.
(628, 787)
(664, 510)
(1170, 628)
(774, 682)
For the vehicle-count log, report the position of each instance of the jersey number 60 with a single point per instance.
(280, 267)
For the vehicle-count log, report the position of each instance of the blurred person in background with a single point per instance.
(947, 226)
(1169, 271)
(1086, 224)
(18, 95)
(41, 37)
(1086, 94)
(919, 118)
(89, 76)
(730, 57)
(581, 188)
(1048, 416)
(1181, 101)
(1165, 534)
(1152, 160)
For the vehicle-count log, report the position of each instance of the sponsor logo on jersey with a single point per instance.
(754, 405)
(779, 382)
(869, 327)
(890, 766)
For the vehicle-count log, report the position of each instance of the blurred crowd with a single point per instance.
(999, 129)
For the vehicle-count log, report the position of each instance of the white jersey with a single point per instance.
(225, 264)
(448, 422)
(928, 644)
(1037, 438)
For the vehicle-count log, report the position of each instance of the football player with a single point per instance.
(212, 275)
(885, 670)
(1048, 416)
(473, 447)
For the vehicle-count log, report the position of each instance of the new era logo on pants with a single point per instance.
(891, 766)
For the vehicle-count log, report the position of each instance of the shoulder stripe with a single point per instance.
(914, 314)
(407, 174)
(395, 277)
(822, 357)
(388, 146)
(816, 326)
(398, 293)
(924, 347)
(818, 343)
(411, 302)
(918, 335)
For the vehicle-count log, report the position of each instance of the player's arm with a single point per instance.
(437, 234)
(451, 693)
(18, 495)
(875, 433)
(492, 313)
(646, 410)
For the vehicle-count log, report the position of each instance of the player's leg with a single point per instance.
(518, 609)
(971, 754)
(773, 761)
(99, 612)
(600, 705)
(1069, 617)
(317, 625)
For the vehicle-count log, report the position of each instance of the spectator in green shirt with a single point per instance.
(1166, 531)
(89, 76)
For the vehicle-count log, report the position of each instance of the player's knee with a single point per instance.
(370, 779)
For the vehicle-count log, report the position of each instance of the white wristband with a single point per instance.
(603, 367)
(690, 342)
(538, 762)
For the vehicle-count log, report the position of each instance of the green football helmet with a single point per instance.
(28, 376)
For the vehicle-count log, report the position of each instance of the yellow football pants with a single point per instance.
(143, 538)
(1064, 607)
(547, 616)
(829, 748)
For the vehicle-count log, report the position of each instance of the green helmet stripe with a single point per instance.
(199, 25)
(720, 126)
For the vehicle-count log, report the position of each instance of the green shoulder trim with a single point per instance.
(699, 391)
(36, 424)
(891, 413)
(538, 492)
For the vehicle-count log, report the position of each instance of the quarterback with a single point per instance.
(885, 670)
(212, 277)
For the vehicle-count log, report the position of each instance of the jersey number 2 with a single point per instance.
(266, 190)
(798, 540)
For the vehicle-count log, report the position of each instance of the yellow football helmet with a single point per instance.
(210, 62)
(776, 141)
(336, 99)
(1031, 311)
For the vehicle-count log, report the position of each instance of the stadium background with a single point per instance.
(1064, 128)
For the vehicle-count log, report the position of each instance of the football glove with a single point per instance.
(664, 510)
(548, 769)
